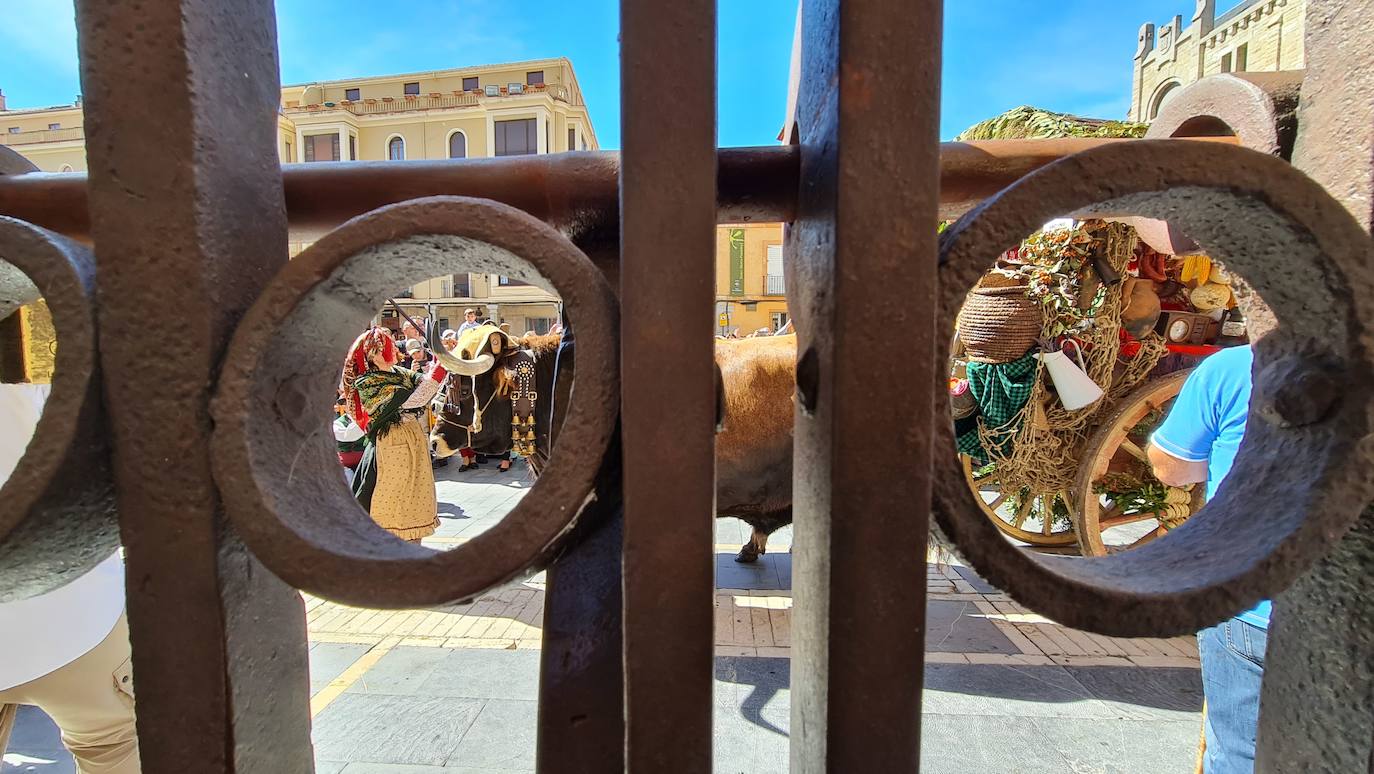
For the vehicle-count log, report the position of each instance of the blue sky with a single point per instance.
(1067, 55)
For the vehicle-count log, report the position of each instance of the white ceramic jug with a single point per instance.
(1076, 389)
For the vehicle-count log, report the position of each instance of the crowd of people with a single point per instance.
(386, 409)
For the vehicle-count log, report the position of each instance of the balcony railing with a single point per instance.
(772, 285)
(431, 101)
(43, 135)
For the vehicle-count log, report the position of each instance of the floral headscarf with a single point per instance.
(373, 341)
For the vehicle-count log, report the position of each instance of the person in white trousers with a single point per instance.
(67, 651)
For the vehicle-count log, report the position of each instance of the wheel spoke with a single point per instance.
(997, 502)
(1022, 511)
(1047, 515)
(1117, 521)
(1134, 451)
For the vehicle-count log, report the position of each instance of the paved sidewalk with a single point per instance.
(453, 688)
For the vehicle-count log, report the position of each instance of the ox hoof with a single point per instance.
(747, 555)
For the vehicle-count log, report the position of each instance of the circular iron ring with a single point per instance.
(57, 508)
(274, 457)
(1297, 485)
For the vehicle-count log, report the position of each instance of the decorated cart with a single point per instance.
(1069, 352)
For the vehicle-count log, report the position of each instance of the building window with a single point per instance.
(540, 325)
(736, 261)
(460, 286)
(66, 168)
(412, 88)
(470, 84)
(287, 157)
(572, 139)
(1226, 63)
(535, 78)
(772, 281)
(54, 126)
(14, 130)
(443, 288)
(516, 138)
(353, 94)
(511, 283)
(492, 90)
(352, 147)
(322, 147)
(396, 149)
(1242, 54)
(457, 146)
(779, 320)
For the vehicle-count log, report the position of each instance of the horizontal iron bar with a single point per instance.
(569, 190)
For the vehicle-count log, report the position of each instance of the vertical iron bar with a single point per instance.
(667, 217)
(868, 113)
(1317, 703)
(186, 204)
(581, 664)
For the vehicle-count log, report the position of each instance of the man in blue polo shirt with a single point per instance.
(1198, 442)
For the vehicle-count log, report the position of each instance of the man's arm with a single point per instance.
(1174, 471)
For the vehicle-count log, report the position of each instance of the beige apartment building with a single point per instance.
(749, 278)
(1254, 36)
(490, 110)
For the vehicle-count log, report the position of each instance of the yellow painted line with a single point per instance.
(357, 669)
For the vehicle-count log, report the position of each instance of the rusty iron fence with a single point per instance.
(226, 501)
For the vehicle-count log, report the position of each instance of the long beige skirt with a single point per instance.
(403, 502)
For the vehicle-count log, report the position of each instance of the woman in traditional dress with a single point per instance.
(394, 481)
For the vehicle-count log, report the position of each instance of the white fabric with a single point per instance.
(346, 430)
(46, 632)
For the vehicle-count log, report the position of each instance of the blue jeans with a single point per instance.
(1232, 666)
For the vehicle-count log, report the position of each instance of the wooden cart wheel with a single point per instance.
(1119, 443)
(1031, 519)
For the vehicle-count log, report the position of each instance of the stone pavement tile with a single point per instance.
(1007, 691)
(485, 673)
(1122, 746)
(751, 682)
(393, 729)
(400, 672)
(979, 585)
(958, 627)
(742, 746)
(503, 737)
(36, 746)
(766, 573)
(963, 744)
(1144, 694)
(329, 659)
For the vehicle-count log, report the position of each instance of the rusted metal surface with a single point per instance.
(1259, 109)
(667, 210)
(186, 204)
(57, 513)
(582, 666)
(1280, 232)
(576, 192)
(282, 370)
(858, 624)
(1317, 707)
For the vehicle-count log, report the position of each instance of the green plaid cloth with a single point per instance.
(1001, 391)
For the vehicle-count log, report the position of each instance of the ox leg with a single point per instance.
(752, 550)
(764, 524)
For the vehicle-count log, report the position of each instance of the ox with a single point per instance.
(755, 379)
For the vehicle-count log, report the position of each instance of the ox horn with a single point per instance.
(459, 365)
